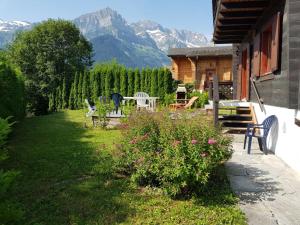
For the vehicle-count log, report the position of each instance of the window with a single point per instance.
(266, 48)
(266, 51)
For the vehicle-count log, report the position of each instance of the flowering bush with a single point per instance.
(176, 155)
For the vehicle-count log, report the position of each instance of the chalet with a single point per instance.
(197, 65)
(266, 63)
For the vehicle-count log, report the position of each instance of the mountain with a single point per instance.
(169, 38)
(8, 30)
(112, 37)
(139, 44)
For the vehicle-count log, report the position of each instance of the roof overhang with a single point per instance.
(234, 18)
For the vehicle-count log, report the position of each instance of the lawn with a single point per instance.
(67, 178)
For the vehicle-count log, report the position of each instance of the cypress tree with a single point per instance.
(72, 97)
(142, 81)
(64, 95)
(147, 80)
(86, 87)
(75, 91)
(153, 87)
(130, 77)
(123, 82)
(79, 91)
(116, 79)
(137, 85)
(160, 83)
(58, 98)
(102, 81)
(168, 81)
(51, 103)
(98, 78)
(108, 81)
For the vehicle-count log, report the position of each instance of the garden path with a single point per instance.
(269, 190)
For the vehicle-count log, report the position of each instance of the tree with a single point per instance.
(130, 88)
(117, 80)
(123, 81)
(86, 93)
(79, 91)
(153, 87)
(142, 81)
(64, 95)
(75, 91)
(108, 82)
(52, 51)
(137, 80)
(160, 83)
(72, 96)
(168, 82)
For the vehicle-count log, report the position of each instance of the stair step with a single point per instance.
(240, 115)
(236, 117)
(235, 130)
(237, 121)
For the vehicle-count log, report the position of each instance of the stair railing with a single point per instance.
(259, 99)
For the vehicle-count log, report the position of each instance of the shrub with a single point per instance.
(177, 155)
(10, 212)
(202, 100)
(12, 101)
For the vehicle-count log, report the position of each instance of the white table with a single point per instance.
(151, 100)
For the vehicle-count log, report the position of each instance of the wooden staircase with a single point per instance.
(236, 119)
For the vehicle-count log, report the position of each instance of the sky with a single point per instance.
(194, 15)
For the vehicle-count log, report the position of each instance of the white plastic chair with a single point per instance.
(92, 109)
(142, 103)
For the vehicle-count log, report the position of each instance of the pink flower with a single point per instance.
(145, 136)
(133, 141)
(194, 141)
(176, 142)
(204, 154)
(211, 141)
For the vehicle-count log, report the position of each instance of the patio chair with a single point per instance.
(142, 103)
(117, 99)
(262, 139)
(190, 103)
(92, 109)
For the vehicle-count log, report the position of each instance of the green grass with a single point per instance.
(67, 178)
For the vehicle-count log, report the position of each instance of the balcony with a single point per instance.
(233, 19)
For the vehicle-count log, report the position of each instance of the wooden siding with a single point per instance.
(192, 70)
(280, 88)
(294, 53)
(275, 89)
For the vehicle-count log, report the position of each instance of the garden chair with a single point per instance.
(262, 139)
(190, 103)
(142, 103)
(92, 109)
(117, 99)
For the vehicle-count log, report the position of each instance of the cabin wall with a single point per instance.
(275, 91)
(281, 91)
(194, 70)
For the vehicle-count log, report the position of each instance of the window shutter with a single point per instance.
(256, 56)
(275, 42)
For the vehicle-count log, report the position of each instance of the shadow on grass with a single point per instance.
(67, 174)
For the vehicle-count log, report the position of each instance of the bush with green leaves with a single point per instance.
(202, 98)
(10, 212)
(12, 94)
(104, 108)
(178, 156)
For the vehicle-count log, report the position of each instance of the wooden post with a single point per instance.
(216, 100)
(210, 91)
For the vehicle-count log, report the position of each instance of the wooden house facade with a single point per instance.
(198, 65)
(266, 63)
